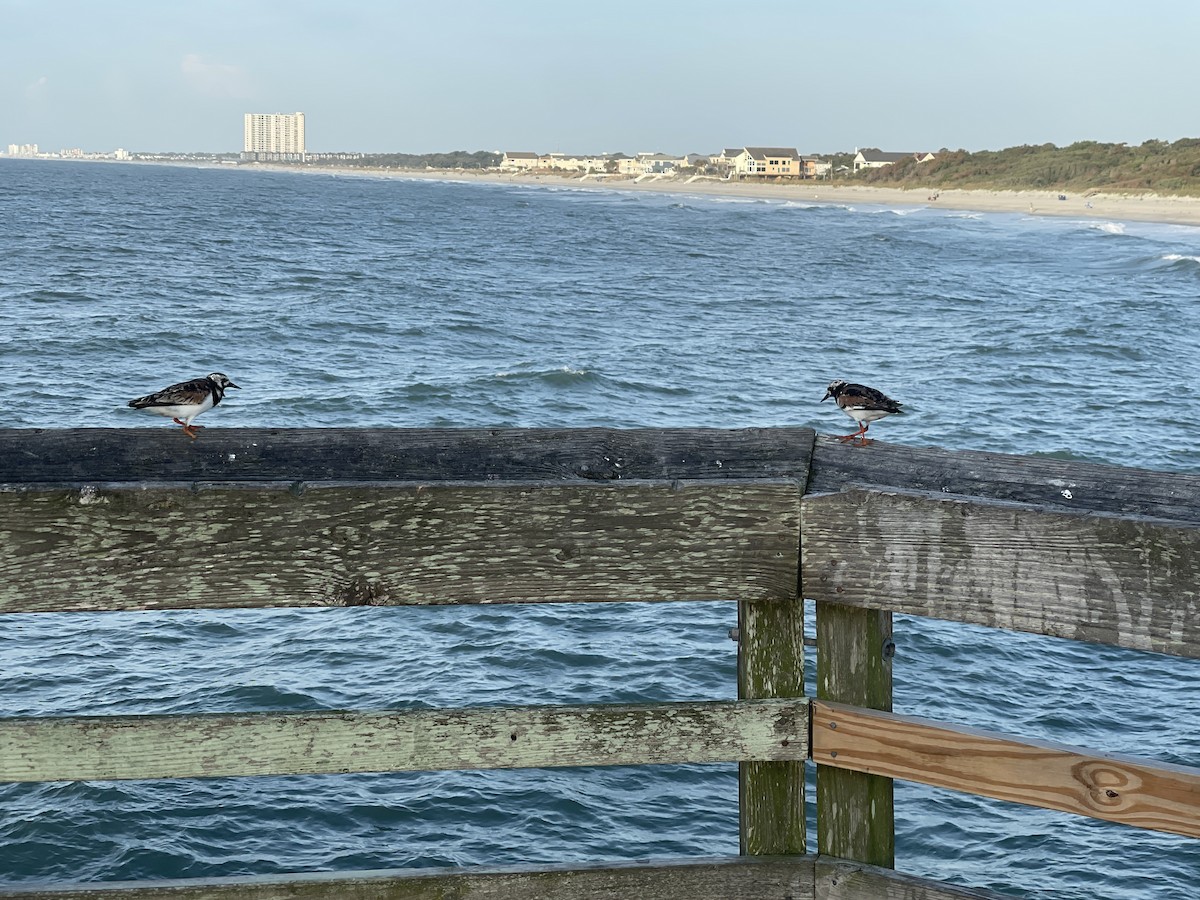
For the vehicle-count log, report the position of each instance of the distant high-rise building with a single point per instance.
(274, 136)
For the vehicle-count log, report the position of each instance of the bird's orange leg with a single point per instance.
(858, 436)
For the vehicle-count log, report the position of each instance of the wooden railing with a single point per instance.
(260, 518)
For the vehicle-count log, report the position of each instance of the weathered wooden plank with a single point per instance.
(1138, 792)
(841, 879)
(110, 748)
(1126, 581)
(738, 878)
(1081, 486)
(855, 812)
(387, 544)
(771, 665)
(158, 452)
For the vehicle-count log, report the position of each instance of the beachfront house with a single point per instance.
(724, 159)
(650, 164)
(519, 160)
(660, 163)
(877, 159)
(573, 162)
(768, 162)
(816, 168)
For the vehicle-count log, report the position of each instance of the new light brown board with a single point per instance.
(1137, 792)
(1126, 581)
(225, 546)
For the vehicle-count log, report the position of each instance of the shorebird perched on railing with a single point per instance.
(863, 404)
(184, 401)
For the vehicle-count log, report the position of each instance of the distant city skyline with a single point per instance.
(378, 77)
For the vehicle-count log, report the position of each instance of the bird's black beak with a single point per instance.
(231, 384)
(826, 397)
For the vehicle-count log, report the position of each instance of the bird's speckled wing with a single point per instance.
(859, 396)
(186, 393)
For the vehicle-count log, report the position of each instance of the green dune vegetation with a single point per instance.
(1157, 167)
(454, 159)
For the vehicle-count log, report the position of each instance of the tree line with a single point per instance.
(1151, 167)
(454, 159)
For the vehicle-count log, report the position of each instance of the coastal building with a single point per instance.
(768, 161)
(521, 160)
(574, 162)
(725, 158)
(646, 163)
(877, 159)
(274, 137)
(32, 150)
(659, 163)
(817, 168)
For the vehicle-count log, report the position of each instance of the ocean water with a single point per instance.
(359, 301)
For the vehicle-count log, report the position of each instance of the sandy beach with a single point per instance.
(1106, 207)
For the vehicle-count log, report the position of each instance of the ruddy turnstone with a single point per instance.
(861, 403)
(186, 400)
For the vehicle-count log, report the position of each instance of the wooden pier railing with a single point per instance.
(765, 517)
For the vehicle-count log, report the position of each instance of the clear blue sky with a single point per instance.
(693, 76)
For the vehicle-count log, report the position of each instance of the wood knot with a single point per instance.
(1106, 782)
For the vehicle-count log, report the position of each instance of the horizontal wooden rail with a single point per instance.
(172, 547)
(721, 878)
(1127, 581)
(157, 453)
(1137, 792)
(161, 453)
(203, 746)
(744, 878)
(1067, 484)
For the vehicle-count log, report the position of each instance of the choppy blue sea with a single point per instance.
(358, 301)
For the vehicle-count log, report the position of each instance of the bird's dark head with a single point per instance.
(835, 388)
(221, 380)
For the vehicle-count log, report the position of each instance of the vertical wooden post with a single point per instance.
(855, 817)
(771, 664)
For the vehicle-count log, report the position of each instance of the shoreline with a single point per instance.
(1099, 206)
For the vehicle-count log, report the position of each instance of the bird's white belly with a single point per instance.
(183, 411)
(865, 415)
